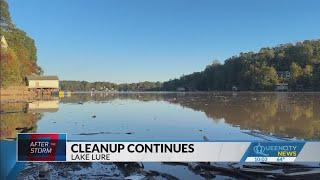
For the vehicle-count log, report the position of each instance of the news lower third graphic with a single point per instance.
(273, 151)
(41, 147)
(55, 147)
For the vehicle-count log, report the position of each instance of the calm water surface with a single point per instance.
(168, 116)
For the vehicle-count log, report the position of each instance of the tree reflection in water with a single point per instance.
(17, 118)
(289, 115)
(281, 114)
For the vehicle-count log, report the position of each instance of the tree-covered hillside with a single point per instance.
(103, 86)
(20, 57)
(254, 71)
(259, 70)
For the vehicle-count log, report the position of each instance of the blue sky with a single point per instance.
(156, 40)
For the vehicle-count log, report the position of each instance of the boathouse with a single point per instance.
(43, 84)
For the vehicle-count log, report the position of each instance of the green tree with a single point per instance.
(296, 75)
(258, 71)
(307, 76)
(267, 78)
(22, 54)
(9, 69)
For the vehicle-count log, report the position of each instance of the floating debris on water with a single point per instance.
(96, 133)
(44, 171)
(205, 138)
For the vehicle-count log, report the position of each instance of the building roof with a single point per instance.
(33, 77)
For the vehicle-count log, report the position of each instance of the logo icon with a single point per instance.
(260, 150)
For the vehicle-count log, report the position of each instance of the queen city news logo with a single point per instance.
(275, 149)
(41, 147)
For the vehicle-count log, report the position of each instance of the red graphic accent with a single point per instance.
(52, 144)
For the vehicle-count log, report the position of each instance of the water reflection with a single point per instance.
(293, 115)
(282, 114)
(188, 116)
(43, 106)
(22, 117)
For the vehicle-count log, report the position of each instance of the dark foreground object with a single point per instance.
(138, 171)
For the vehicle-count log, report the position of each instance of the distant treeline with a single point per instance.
(19, 58)
(259, 71)
(248, 71)
(103, 86)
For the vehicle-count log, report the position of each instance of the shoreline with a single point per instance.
(15, 94)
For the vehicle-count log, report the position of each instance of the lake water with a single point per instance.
(163, 116)
(212, 116)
